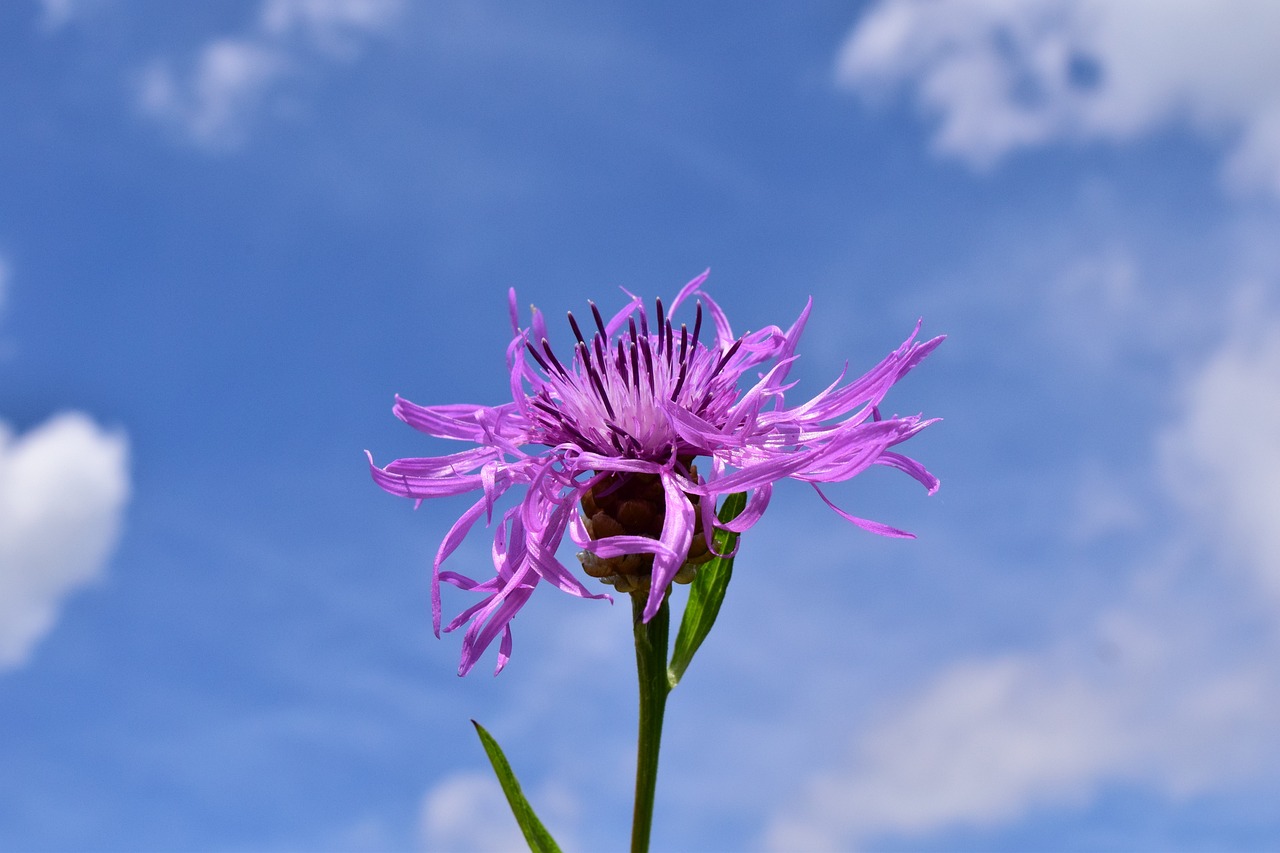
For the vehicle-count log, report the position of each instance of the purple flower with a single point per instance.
(614, 428)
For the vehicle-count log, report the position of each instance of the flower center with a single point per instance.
(614, 395)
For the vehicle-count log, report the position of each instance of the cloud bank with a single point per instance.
(63, 489)
(1174, 689)
(231, 79)
(1001, 75)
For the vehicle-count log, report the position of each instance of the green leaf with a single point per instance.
(540, 841)
(706, 593)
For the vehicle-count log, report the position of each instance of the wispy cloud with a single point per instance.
(56, 14)
(231, 79)
(63, 489)
(225, 88)
(1001, 76)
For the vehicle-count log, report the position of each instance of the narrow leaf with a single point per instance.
(706, 593)
(539, 840)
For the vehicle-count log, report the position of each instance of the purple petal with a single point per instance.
(677, 533)
(788, 350)
(406, 486)
(687, 291)
(513, 311)
(459, 422)
(451, 541)
(865, 524)
(911, 467)
(543, 539)
(724, 333)
(622, 544)
(443, 466)
(751, 513)
(486, 626)
(504, 649)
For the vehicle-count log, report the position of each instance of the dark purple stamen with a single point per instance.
(556, 419)
(575, 432)
(595, 380)
(595, 312)
(613, 439)
(648, 363)
(540, 403)
(546, 347)
(598, 343)
(662, 321)
(684, 368)
(697, 324)
(577, 333)
(725, 358)
(635, 368)
(533, 352)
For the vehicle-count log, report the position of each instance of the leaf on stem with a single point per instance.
(539, 840)
(706, 593)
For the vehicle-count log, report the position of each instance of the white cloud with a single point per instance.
(63, 488)
(468, 812)
(1223, 457)
(1005, 74)
(231, 79)
(1173, 689)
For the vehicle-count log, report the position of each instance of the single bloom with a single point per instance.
(603, 441)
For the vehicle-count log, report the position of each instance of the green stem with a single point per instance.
(651, 666)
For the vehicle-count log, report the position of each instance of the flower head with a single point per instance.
(613, 426)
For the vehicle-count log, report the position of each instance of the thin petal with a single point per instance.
(756, 505)
(677, 533)
(459, 422)
(451, 541)
(405, 486)
(788, 350)
(865, 524)
(687, 291)
(909, 466)
(504, 649)
(487, 626)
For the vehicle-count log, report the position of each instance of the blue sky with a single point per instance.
(230, 233)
